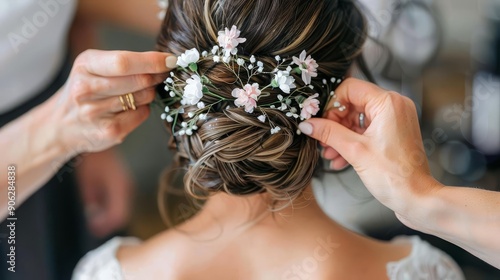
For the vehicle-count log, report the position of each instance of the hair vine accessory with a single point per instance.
(296, 100)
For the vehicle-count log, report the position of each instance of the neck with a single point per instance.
(236, 213)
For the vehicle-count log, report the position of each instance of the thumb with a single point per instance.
(333, 134)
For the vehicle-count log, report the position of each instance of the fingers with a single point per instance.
(333, 134)
(125, 122)
(125, 63)
(101, 87)
(358, 94)
(114, 104)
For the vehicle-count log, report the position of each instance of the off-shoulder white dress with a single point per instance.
(424, 263)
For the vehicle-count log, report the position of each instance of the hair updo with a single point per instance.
(232, 151)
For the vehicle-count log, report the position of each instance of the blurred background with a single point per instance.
(444, 54)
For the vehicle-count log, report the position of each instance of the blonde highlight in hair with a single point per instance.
(233, 151)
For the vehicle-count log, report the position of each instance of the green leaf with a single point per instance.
(193, 67)
(274, 83)
(205, 90)
(297, 70)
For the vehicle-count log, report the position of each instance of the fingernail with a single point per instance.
(171, 61)
(306, 128)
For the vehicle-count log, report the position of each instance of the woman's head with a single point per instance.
(232, 150)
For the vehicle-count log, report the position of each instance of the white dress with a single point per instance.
(424, 262)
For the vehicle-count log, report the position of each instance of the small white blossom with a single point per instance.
(204, 54)
(252, 59)
(332, 93)
(280, 97)
(194, 127)
(226, 59)
(200, 105)
(193, 91)
(260, 64)
(216, 58)
(324, 81)
(170, 119)
(189, 131)
(278, 58)
(275, 130)
(190, 114)
(336, 104)
(188, 57)
(262, 118)
(260, 69)
(203, 116)
(172, 94)
(250, 66)
(169, 80)
(184, 124)
(163, 116)
(240, 61)
(215, 49)
(167, 109)
(311, 86)
(285, 81)
(339, 80)
(182, 132)
(172, 74)
(289, 69)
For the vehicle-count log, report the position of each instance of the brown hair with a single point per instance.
(232, 151)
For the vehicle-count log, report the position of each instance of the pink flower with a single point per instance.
(229, 40)
(247, 96)
(308, 66)
(310, 107)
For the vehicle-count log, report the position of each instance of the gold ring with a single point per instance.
(131, 101)
(124, 107)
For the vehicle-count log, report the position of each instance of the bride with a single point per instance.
(249, 72)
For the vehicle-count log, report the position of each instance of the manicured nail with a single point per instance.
(171, 61)
(306, 128)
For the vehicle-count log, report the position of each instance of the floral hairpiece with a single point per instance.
(190, 92)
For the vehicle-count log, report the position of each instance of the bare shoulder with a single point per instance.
(156, 258)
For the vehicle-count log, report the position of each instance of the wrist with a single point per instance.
(422, 204)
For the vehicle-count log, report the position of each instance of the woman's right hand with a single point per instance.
(88, 111)
(388, 153)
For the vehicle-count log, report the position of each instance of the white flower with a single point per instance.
(310, 107)
(284, 81)
(250, 67)
(184, 124)
(170, 119)
(252, 59)
(333, 80)
(247, 96)
(167, 109)
(182, 132)
(190, 114)
(172, 94)
(188, 57)
(203, 116)
(169, 81)
(193, 91)
(229, 40)
(260, 69)
(189, 131)
(262, 118)
(275, 130)
(260, 64)
(278, 58)
(226, 59)
(215, 49)
(200, 105)
(163, 116)
(204, 53)
(240, 61)
(216, 58)
(172, 74)
(307, 66)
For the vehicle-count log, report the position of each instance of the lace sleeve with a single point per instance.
(101, 263)
(424, 263)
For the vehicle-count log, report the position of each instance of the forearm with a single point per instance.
(467, 217)
(30, 143)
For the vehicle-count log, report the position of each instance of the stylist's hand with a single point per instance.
(388, 154)
(88, 109)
